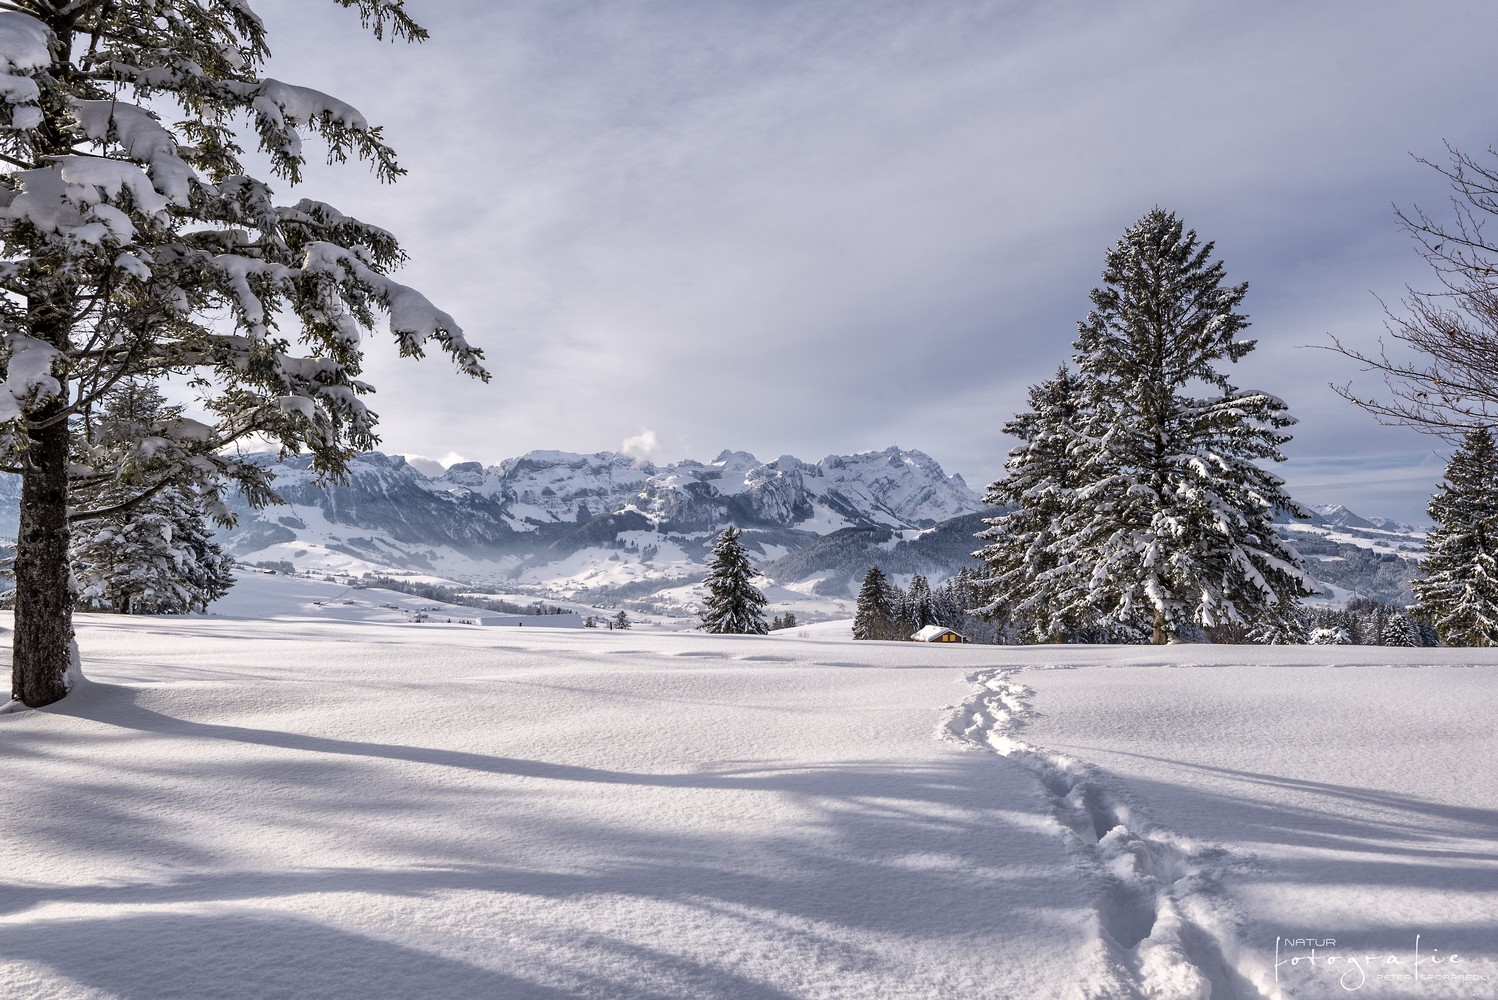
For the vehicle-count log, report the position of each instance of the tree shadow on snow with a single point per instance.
(1407, 828)
(884, 850)
(261, 956)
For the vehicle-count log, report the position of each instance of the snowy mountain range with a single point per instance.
(585, 520)
(608, 527)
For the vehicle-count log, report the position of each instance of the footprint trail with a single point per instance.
(1167, 927)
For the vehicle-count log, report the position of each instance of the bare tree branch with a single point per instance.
(1452, 330)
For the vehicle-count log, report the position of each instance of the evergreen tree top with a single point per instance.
(1468, 476)
(1163, 300)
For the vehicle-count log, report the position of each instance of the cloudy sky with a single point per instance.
(829, 226)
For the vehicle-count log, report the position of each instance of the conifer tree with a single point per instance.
(156, 556)
(1329, 635)
(1280, 625)
(1399, 630)
(734, 605)
(1177, 517)
(919, 611)
(158, 559)
(874, 610)
(1459, 593)
(130, 231)
(1034, 575)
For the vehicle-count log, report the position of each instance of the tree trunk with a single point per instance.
(44, 598)
(1161, 638)
(41, 653)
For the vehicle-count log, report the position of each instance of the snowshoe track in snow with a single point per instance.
(1168, 930)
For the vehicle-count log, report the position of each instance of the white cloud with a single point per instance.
(642, 447)
(434, 466)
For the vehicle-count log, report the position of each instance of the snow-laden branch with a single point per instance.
(24, 50)
(28, 375)
(143, 140)
(414, 320)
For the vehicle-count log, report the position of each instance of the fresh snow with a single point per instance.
(1239, 803)
(289, 799)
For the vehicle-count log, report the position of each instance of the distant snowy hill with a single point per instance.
(891, 488)
(605, 528)
(1356, 556)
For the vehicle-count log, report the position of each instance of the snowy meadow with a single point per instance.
(291, 799)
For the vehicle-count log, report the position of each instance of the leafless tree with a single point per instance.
(1447, 380)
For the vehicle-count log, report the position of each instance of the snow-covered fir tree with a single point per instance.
(1173, 515)
(876, 614)
(917, 610)
(1035, 579)
(1459, 593)
(1329, 636)
(135, 244)
(145, 547)
(1279, 625)
(158, 559)
(1399, 630)
(734, 605)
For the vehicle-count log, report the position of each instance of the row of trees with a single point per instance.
(619, 621)
(884, 610)
(1366, 622)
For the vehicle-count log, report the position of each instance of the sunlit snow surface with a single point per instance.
(295, 807)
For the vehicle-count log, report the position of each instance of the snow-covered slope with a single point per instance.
(357, 810)
(1357, 556)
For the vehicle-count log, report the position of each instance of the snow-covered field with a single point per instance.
(289, 804)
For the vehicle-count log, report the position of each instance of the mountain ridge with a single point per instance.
(543, 507)
(555, 523)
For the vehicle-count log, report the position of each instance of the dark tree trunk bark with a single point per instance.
(44, 599)
(41, 653)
